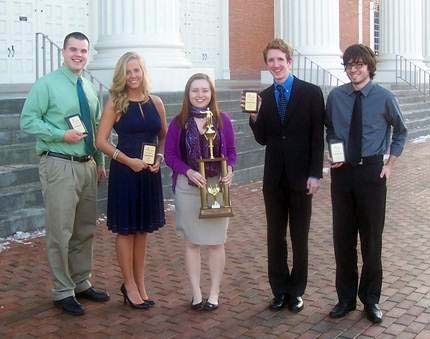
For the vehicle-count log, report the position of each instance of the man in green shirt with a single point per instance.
(70, 168)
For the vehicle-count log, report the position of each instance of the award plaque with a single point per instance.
(75, 122)
(336, 150)
(214, 197)
(149, 152)
(251, 101)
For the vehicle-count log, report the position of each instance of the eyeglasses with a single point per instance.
(350, 66)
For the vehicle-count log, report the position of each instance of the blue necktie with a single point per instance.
(355, 132)
(282, 102)
(86, 117)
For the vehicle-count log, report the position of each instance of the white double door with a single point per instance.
(204, 29)
(19, 22)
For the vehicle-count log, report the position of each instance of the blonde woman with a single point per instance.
(135, 198)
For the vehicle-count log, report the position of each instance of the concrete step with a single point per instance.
(417, 123)
(20, 196)
(15, 136)
(23, 220)
(418, 132)
(414, 106)
(417, 114)
(11, 106)
(9, 121)
(24, 153)
(13, 175)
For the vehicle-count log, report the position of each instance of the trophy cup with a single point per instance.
(215, 198)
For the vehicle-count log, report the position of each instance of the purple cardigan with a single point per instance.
(172, 149)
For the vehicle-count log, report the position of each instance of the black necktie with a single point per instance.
(86, 117)
(355, 132)
(282, 103)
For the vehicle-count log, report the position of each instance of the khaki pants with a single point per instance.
(69, 192)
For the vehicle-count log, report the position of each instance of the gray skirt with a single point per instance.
(209, 231)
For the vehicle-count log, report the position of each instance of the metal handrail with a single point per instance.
(48, 62)
(314, 73)
(413, 74)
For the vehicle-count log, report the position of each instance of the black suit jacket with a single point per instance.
(295, 148)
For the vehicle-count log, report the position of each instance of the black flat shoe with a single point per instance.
(70, 306)
(278, 302)
(93, 295)
(342, 309)
(373, 312)
(141, 306)
(295, 304)
(208, 306)
(198, 306)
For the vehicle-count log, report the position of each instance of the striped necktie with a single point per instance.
(282, 102)
(86, 117)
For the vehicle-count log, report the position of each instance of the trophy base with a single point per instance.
(216, 212)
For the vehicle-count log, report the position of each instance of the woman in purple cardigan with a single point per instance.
(185, 145)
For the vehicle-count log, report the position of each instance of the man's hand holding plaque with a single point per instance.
(75, 122)
(250, 101)
(336, 150)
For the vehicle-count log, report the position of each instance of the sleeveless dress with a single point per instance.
(135, 200)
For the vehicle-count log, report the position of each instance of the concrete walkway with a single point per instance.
(26, 310)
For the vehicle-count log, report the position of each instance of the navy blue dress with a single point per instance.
(135, 200)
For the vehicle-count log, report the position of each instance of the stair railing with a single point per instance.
(413, 74)
(48, 59)
(308, 70)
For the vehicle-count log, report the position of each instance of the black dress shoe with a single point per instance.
(295, 304)
(373, 312)
(208, 306)
(94, 295)
(342, 309)
(70, 305)
(278, 302)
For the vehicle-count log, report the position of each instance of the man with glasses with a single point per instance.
(360, 115)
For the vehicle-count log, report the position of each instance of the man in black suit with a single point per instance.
(289, 122)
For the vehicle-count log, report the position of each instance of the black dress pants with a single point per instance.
(285, 206)
(358, 199)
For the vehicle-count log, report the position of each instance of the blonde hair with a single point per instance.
(118, 90)
(186, 103)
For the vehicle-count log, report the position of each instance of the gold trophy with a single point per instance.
(215, 198)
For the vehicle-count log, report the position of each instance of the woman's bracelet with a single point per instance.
(161, 155)
(116, 153)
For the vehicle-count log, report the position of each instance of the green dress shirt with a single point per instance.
(53, 98)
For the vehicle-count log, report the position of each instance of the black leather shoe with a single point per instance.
(278, 302)
(341, 310)
(373, 312)
(70, 305)
(295, 304)
(208, 306)
(93, 294)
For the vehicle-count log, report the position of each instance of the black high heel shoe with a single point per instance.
(141, 306)
(198, 306)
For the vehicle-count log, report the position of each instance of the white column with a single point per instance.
(150, 28)
(401, 30)
(312, 28)
(426, 32)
